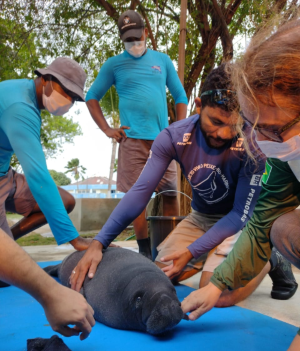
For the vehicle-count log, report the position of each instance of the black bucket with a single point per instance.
(160, 228)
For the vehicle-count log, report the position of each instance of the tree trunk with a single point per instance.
(112, 163)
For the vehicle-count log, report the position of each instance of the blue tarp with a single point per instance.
(234, 329)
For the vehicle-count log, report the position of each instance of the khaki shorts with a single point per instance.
(15, 196)
(189, 230)
(133, 155)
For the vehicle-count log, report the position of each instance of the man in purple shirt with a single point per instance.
(225, 184)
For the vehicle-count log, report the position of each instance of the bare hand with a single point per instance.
(65, 307)
(117, 133)
(88, 264)
(201, 301)
(81, 244)
(180, 260)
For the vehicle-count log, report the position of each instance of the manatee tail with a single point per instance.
(53, 270)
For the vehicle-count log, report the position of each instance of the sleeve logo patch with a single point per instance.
(186, 137)
(267, 173)
(256, 180)
(238, 145)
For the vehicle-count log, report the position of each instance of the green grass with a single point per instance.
(35, 239)
(13, 216)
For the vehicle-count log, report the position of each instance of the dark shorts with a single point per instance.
(15, 196)
(133, 155)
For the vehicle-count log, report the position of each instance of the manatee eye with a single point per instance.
(138, 302)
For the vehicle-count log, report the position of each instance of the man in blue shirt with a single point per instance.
(34, 194)
(225, 185)
(140, 76)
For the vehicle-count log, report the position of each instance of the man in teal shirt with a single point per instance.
(34, 194)
(140, 76)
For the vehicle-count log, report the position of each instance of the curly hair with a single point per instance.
(219, 78)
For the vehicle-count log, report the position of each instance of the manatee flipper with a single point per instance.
(53, 270)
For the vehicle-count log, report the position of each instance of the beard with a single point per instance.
(213, 142)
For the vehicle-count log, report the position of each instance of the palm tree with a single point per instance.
(76, 169)
(109, 104)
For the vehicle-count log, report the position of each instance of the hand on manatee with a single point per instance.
(88, 264)
(201, 301)
(65, 307)
(81, 244)
(180, 260)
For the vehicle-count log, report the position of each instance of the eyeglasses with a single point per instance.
(220, 96)
(270, 133)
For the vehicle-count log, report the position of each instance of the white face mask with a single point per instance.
(286, 151)
(135, 48)
(56, 103)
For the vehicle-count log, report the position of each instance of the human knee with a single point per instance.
(286, 238)
(69, 202)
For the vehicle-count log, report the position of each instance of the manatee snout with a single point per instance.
(165, 315)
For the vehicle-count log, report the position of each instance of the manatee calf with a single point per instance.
(128, 291)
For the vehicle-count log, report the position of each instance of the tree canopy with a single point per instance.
(59, 178)
(36, 31)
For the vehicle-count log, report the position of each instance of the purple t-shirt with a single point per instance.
(224, 181)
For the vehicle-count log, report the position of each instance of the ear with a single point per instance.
(44, 82)
(198, 105)
(146, 33)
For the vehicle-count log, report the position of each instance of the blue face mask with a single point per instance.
(135, 48)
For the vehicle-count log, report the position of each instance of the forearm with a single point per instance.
(224, 228)
(97, 114)
(126, 211)
(181, 110)
(18, 269)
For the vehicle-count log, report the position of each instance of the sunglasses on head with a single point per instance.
(220, 96)
(272, 133)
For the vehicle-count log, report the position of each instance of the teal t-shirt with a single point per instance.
(141, 86)
(20, 124)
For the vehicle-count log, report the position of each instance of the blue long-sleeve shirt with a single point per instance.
(20, 124)
(223, 181)
(141, 86)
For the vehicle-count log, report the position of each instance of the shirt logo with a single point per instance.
(156, 68)
(185, 139)
(214, 188)
(256, 180)
(247, 205)
(238, 145)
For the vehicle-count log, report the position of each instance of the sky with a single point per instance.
(93, 148)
